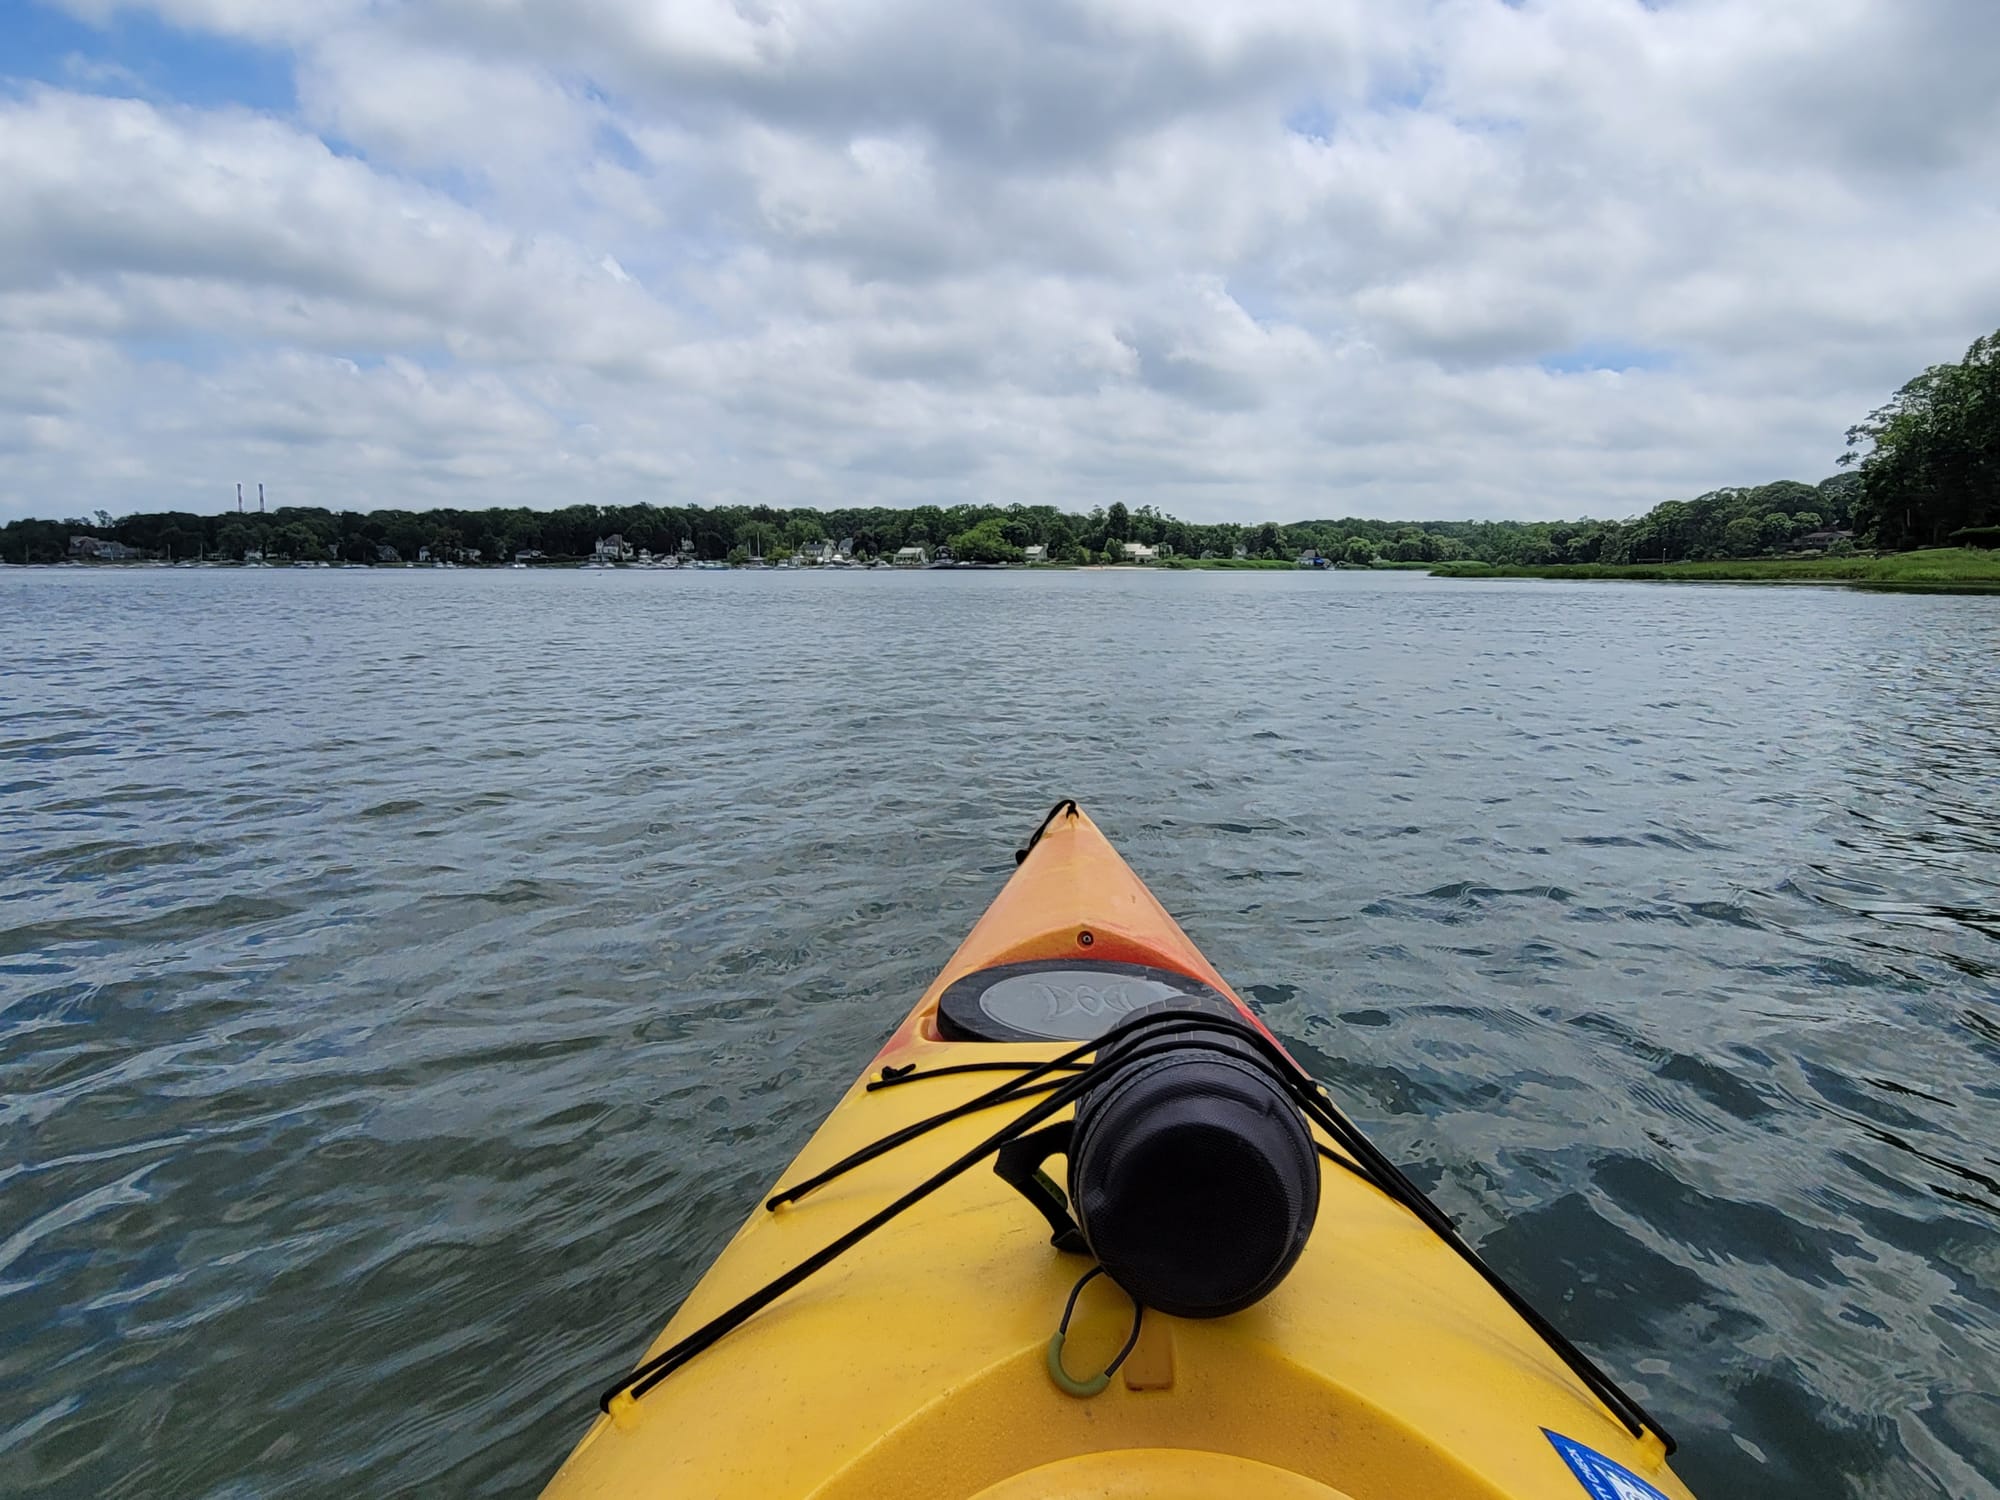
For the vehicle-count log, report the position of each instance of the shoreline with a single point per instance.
(1930, 570)
(1959, 570)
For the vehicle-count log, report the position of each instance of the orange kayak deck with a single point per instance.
(1080, 902)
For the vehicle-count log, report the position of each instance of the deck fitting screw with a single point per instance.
(1084, 939)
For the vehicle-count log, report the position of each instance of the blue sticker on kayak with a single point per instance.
(1604, 1479)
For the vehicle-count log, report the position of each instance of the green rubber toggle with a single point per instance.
(1067, 1383)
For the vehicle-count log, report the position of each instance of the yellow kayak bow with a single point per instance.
(887, 1325)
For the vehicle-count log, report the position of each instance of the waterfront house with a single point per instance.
(98, 549)
(1139, 552)
(1312, 557)
(384, 553)
(612, 549)
(1036, 553)
(910, 557)
(530, 555)
(1819, 541)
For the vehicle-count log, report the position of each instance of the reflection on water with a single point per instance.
(408, 981)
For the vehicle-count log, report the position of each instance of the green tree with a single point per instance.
(296, 540)
(1411, 545)
(234, 538)
(1785, 495)
(1839, 498)
(1742, 537)
(986, 542)
(1118, 522)
(1930, 459)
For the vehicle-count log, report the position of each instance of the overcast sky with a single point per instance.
(1269, 258)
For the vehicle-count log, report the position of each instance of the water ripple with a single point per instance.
(429, 971)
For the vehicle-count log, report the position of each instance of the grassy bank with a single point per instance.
(1287, 565)
(1938, 567)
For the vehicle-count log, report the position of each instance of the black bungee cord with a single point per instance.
(1363, 1159)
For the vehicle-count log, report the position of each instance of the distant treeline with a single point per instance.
(1928, 473)
(1722, 524)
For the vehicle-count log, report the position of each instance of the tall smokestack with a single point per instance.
(260, 497)
(239, 497)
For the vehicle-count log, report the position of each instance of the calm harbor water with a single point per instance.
(409, 980)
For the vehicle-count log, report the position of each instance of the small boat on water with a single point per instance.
(1227, 1291)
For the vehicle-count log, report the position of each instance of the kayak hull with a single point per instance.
(916, 1363)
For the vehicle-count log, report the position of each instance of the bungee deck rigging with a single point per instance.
(1308, 1345)
(1365, 1161)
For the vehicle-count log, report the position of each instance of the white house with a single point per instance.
(1139, 552)
(613, 548)
(1036, 553)
(910, 557)
(101, 549)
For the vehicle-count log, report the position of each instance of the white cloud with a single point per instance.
(256, 20)
(1570, 256)
(121, 207)
(429, 109)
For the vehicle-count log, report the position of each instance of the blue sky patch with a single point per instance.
(614, 145)
(1313, 120)
(1257, 297)
(189, 351)
(1609, 355)
(138, 56)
